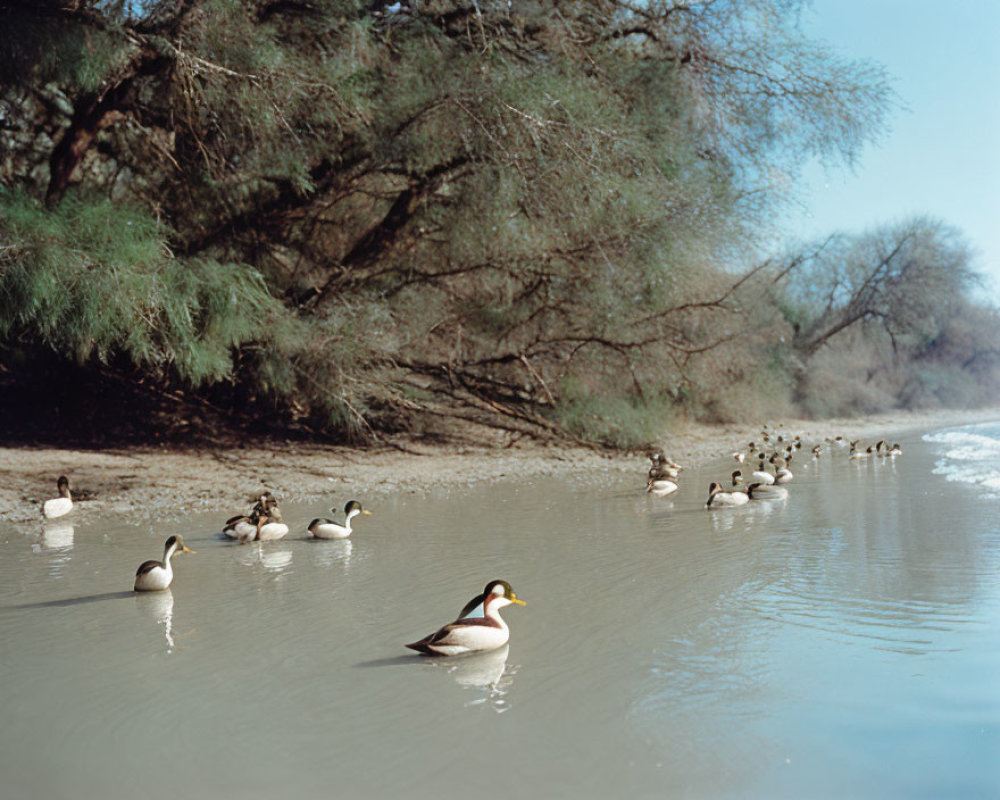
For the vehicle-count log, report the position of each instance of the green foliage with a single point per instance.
(91, 279)
(612, 417)
(77, 58)
(526, 199)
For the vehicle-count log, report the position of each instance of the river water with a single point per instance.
(842, 642)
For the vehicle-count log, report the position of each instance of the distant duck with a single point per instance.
(272, 527)
(737, 477)
(858, 455)
(665, 470)
(659, 484)
(328, 529)
(718, 497)
(761, 475)
(62, 505)
(816, 451)
(154, 576)
(264, 500)
(740, 457)
(783, 475)
(769, 492)
(242, 527)
(895, 450)
(469, 634)
(879, 445)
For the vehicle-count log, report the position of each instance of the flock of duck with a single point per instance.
(766, 480)
(477, 627)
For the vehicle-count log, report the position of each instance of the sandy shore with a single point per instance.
(142, 483)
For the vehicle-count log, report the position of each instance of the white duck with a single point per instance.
(328, 529)
(154, 576)
(62, 505)
(469, 634)
(717, 497)
(761, 475)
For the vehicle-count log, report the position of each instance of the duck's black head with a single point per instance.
(503, 589)
(355, 506)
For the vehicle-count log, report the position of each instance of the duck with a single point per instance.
(895, 450)
(769, 492)
(155, 576)
(717, 497)
(761, 475)
(662, 464)
(783, 475)
(737, 477)
(857, 455)
(242, 527)
(474, 608)
(665, 470)
(272, 527)
(739, 456)
(328, 529)
(660, 486)
(470, 634)
(62, 505)
(817, 450)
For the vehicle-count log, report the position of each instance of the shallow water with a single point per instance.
(843, 642)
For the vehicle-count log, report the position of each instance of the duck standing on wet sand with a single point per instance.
(469, 634)
(328, 529)
(154, 576)
(62, 505)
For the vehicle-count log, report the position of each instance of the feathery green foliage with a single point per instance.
(92, 278)
(335, 213)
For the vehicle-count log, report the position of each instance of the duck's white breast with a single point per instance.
(468, 638)
(57, 507)
(330, 531)
(272, 531)
(155, 580)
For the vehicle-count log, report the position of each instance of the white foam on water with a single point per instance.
(970, 455)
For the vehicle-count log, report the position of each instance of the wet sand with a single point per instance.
(143, 482)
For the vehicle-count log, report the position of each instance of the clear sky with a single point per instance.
(942, 155)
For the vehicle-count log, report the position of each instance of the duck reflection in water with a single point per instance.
(328, 553)
(159, 606)
(271, 558)
(57, 536)
(486, 671)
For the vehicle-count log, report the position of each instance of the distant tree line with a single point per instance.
(357, 218)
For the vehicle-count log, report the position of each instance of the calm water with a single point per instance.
(843, 642)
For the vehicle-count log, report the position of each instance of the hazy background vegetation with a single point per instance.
(350, 219)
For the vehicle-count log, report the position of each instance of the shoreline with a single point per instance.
(142, 483)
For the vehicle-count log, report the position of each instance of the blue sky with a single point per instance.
(942, 154)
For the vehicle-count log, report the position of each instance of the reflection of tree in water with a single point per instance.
(485, 671)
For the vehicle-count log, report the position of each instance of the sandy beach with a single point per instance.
(139, 483)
